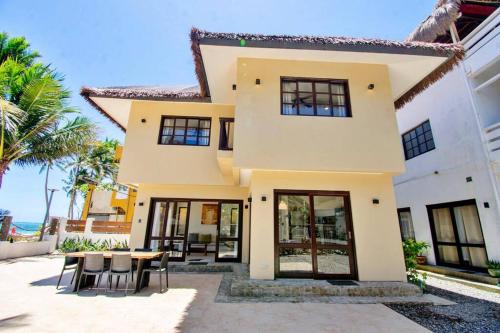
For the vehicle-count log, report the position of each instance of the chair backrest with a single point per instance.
(193, 237)
(121, 262)
(164, 260)
(93, 262)
(143, 249)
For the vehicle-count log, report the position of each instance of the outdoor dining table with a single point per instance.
(143, 261)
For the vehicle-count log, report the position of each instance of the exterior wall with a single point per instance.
(369, 141)
(459, 154)
(145, 161)
(147, 191)
(379, 254)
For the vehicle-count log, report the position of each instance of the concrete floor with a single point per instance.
(30, 302)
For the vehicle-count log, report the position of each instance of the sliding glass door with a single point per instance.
(457, 235)
(229, 226)
(313, 235)
(168, 227)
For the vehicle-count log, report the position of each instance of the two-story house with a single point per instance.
(449, 195)
(282, 158)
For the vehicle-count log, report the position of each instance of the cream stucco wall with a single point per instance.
(145, 161)
(147, 191)
(379, 253)
(265, 139)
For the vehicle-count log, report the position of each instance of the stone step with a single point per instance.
(296, 287)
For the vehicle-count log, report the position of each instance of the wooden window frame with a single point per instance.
(414, 129)
(457, 244)
(175, 118)
(346, 95)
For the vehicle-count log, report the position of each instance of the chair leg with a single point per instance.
(141, 278)
(126, 284)
(98, 282)
(79, 281)
(73, 277)
(60, 277)
(166, 277)
(161, 288)
(117, 281)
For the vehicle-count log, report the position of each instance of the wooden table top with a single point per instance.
(108, 254)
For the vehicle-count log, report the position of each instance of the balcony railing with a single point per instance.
(493, 142)
(226, 134)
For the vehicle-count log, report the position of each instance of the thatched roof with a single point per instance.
(452, 51)
(445, 13)
(176, 94)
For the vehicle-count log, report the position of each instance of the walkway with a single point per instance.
(30, 302)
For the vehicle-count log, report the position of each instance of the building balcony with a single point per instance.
(493, 143)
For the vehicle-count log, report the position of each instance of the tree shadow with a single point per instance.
(14, 321)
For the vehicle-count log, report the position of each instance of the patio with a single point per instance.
(31, 302)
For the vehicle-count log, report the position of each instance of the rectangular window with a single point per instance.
(406, 224)
(189, 131)
(418, 140)
(315, 97)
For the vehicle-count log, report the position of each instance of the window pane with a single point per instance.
(338, 89)
(323, 99)
(330, 220)
(468, 225)
(166, 139)
(289, 98)
(305, 86)
(180, 122)
(338, 100)
(339, 111)
(192, 131)
(191, 140)
(204, 132)
(203, 141)
(289, 86)
(332, 261)
(406, 225)
(168, 122)
(293, 218)
(443, 225)
(158, 219)
(228, 249)
(205, 123)
(167, 131)
(229, 220)
(306, 106)
(322, 87)
(448, 254)
(178, 140)
(474, 256)
(193, 122)
(427, 126)
(295, 260)
(179, 131)
(323, 110)
(430, 145)
(289, 109)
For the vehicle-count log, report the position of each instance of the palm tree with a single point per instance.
(16, 48)
(95, 164)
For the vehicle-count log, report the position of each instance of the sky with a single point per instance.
(146, 42)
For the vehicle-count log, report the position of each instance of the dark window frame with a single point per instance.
(345, 95)
(457, 243)
(402, 210)
(223, 134)
(187, 118)
(411, 154)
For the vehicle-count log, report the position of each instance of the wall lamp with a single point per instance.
(375, 201)
(257, 81)
(371, 86)
(234, 87)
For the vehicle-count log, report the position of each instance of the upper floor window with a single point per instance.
(315, 97)
(418, 140)
(189, 131)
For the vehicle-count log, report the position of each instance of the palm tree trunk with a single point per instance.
(44, 223)
(73, 194)
(3, 169)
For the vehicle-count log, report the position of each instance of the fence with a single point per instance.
(94, 230)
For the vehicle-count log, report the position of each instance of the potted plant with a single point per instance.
(494, 268)
(422, 253)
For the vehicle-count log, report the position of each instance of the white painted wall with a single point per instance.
(459, 153)
(27, 249)
(89, 234)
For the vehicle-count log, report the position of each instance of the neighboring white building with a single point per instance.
(449, 195)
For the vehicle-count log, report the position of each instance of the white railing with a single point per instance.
(492, 134)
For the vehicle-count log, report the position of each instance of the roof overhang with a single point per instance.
(413, 66)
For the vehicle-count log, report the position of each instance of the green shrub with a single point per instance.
(87, 245)
(412, 249)
(493, 264)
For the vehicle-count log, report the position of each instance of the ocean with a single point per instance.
(25, 228)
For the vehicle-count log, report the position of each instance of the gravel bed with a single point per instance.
(475, 311)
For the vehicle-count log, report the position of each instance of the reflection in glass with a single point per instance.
(229, 220)
(443, 225)
(293, 219)
(468, 225)
(228, 249)
(474, 256)
(448, 254)
(330, 220)
(158, 219)
(332, 261)
(295, 260)
(175, 247)
(176, 219)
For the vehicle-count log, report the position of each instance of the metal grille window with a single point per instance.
(418, 140)
(189, 131)
(315, 97)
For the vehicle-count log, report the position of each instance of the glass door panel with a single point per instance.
(333, 261)
(295, 261)
(330, 221)
(294, 220)
(444, 225)
(229, 232)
